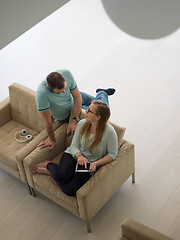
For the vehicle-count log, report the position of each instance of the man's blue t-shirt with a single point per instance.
(59, 103)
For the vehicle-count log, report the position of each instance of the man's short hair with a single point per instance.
(55, 80)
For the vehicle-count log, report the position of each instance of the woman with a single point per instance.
(94, 141)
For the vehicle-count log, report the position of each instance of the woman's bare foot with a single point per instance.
(34, 170)
(41, 165)
(45, 163)
(43, 170)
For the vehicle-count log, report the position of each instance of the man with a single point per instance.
(57, 96)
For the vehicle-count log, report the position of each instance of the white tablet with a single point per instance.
(81, 168)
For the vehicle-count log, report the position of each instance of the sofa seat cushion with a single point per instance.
(49, 185)
(8, 145)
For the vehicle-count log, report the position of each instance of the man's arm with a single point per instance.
(50, 142)
(76, 109)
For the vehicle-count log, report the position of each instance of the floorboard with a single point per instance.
(81, 37)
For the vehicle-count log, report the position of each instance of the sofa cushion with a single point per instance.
(9, 147)
(120, 132)
(48, 184)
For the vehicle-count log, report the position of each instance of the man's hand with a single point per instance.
(47, 143)
(50, 142)
(76, 109)
(72, 127)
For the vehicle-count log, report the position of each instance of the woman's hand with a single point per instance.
(82, 161)
(93, 166)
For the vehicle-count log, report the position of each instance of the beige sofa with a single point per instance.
(96, 192)
(17, 112)
(133, 230)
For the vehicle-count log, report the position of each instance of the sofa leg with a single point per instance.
(133, 177)
(29, 188)
(88, 227)
(31, 191)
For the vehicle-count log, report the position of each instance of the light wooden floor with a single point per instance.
(146, 75)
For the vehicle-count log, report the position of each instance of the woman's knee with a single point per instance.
(68, 191)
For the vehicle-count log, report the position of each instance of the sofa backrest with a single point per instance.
(24, 108)
(119, 130)
(133, 230)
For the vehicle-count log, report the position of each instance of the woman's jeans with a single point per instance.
(87, 99)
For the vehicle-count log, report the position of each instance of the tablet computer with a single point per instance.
(81, 168)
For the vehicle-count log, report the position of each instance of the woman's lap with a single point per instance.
(65, 176)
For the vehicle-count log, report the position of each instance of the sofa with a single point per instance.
(91, 197)
(17, 112)
(133, 230)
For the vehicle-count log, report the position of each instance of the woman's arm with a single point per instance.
(111, 143)
(75, 144)
(81, 159)
(102, 161)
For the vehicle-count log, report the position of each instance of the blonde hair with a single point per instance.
(103, 111)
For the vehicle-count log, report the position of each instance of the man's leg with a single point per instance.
(86, 100)
(109, 91)
(102, 95)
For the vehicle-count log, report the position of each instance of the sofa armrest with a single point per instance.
(26, 150)
(5, 112)
(105, 182)
(134, 230)
(39, 155)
